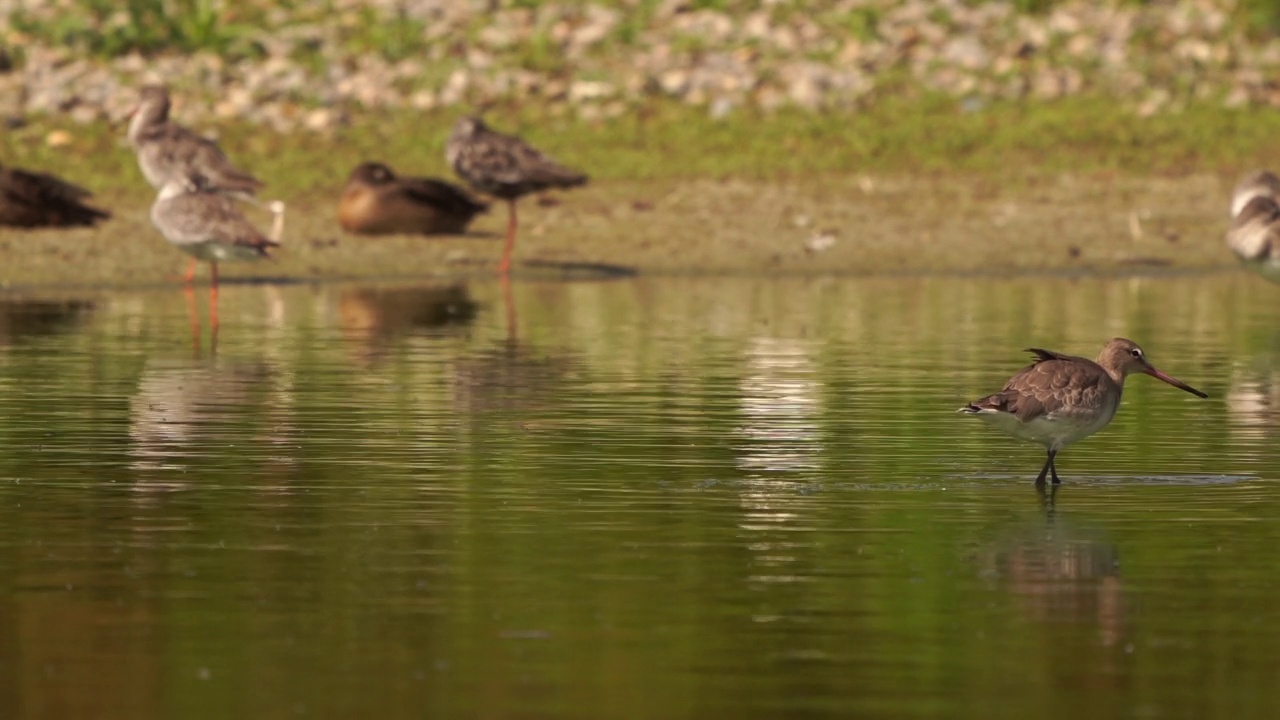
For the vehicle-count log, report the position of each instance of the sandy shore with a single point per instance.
(830, 225)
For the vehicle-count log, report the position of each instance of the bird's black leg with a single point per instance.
(1044, 471)
(1053, 469)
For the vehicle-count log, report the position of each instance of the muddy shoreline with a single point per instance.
(863, 225)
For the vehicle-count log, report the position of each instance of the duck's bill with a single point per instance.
(1175, 382)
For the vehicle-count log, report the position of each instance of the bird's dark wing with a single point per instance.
(33, 199)
(1052, 385)
(443, 195)
(506, 164)
(37, 186)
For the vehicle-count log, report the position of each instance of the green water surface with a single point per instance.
(647, 498)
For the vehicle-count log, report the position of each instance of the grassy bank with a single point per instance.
(906, 187)
(1003, 142)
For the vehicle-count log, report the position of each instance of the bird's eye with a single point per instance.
(1136, 352)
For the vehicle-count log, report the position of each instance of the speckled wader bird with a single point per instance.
(506, 167)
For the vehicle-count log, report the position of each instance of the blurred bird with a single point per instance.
(208, 226)
(506, 167)
(32, 199)
(1259, 183)
(376, 201)
(167, 150)
(1254, 234)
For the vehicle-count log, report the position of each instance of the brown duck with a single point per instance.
(376, 201)
(31, 199)
(506, 167)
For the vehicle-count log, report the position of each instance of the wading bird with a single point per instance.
(167, 150)
(1060, 399)
(208, 226)
(506, 167)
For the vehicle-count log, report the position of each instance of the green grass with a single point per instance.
(894, 136)
(228, 29)
(394, 39)
(151, 26)
(1260, 17)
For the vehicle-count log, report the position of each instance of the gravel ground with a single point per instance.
(316, 64)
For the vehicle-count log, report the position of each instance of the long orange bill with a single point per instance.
(1174, 382)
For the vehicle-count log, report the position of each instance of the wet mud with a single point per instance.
(813, 225)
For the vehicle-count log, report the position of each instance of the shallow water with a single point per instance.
(650, 497)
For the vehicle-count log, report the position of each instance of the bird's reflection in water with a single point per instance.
(1062, 574)
(1253, 387)
(31, 317)
(372, 318)
(1251, 406)
(1253, 399)
(183, 409)
(510, 374)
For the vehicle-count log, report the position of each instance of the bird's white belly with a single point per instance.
(1057, 431)
(211, 250)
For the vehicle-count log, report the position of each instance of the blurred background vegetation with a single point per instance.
(110, 28)
(1187, 94)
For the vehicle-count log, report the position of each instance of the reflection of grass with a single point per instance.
(893, 135)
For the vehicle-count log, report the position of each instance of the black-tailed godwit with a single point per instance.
(1061, 399)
